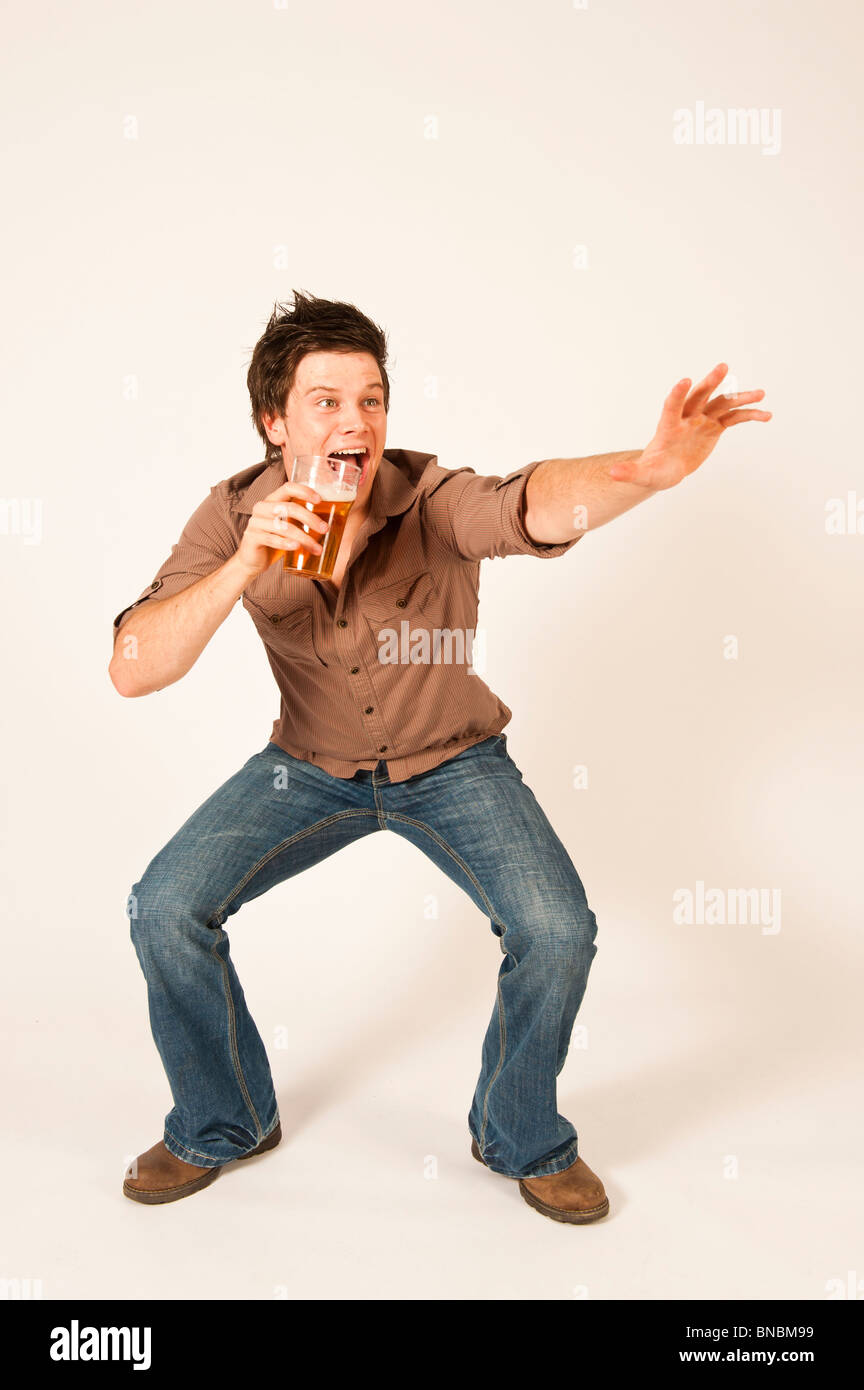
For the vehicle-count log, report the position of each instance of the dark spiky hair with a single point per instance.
(308, 325)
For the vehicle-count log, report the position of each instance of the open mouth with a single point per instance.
(357, 455)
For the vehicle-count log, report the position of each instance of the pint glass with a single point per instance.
(335, 480)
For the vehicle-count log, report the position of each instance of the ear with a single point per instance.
(275, 428)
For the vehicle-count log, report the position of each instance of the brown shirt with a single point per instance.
(361, 672)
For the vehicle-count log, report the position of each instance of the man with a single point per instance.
(365, 742)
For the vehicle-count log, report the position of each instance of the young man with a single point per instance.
(365, 742)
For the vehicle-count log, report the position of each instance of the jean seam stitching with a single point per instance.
(574, 1143)
(232, 1017)
(411, 820)
(187, 1149)
(277, 849)
(502, 1025)
(232, 1038)
(502, 1045)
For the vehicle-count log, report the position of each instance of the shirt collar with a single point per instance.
(394, 489)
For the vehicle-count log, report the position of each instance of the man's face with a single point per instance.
(336, 403)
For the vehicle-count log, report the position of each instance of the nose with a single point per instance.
(350, 417)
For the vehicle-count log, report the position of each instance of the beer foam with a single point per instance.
(335, 491)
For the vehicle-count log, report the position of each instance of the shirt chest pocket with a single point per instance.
(285, 627)
(414, 599)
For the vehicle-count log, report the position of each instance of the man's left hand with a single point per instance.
(689, 427)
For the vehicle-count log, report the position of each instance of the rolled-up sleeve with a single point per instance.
(483, 516)
(206, 542)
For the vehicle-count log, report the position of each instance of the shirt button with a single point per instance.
(383, 748)
(342, 622)
(354, 670)
(275, 618)
(401, 602)
(368, 709)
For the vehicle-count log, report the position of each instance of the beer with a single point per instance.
(336, 481)
(334, 509)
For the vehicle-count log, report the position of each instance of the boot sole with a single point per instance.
(571, 1218)
(157, 1196)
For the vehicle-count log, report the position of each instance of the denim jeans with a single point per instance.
(476, 819)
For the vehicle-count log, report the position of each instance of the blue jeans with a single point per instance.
(477, 820)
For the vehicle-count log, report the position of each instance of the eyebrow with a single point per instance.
(367, 387)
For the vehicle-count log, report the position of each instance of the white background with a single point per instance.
(282, 148)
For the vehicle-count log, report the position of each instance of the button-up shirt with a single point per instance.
(380, 668)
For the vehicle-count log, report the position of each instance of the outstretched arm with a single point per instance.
(567, 495)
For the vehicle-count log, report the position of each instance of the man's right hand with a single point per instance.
(170, 633)
(268, 535)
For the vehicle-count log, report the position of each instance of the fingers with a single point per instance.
(721, 404)
(280, 511)
(737, 417)
(285, 536)
(702, 390)
(674, 403)
(718, 409)
(288, 541)
(303, 490)
(280, 524)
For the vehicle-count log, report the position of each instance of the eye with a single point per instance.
(325, 399)
(373, 399)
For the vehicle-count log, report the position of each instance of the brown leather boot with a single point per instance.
(163, 1178)
(575, 1195)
